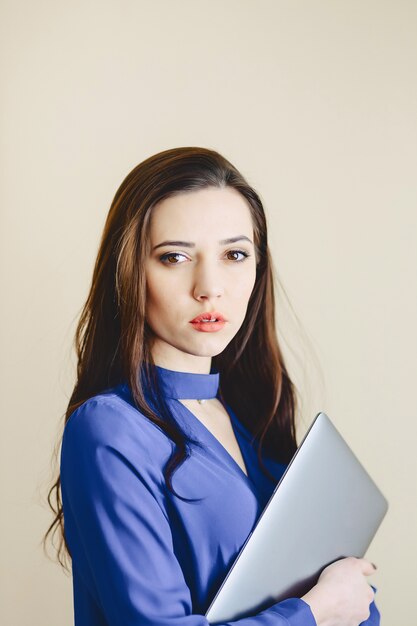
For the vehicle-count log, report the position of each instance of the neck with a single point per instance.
(182, 362)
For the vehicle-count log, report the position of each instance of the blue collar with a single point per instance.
(187, 385)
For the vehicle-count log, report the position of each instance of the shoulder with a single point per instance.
(108, 419)
(109, 452)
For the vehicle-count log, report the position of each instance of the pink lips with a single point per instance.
(214, 315)
(208, 327)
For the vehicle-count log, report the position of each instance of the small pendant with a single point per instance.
(200, 401)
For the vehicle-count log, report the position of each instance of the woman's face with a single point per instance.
(191, 269)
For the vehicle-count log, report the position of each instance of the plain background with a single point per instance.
(315, 102)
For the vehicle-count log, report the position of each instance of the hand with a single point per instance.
(342, 594)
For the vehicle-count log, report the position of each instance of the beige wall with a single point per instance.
(316, 103)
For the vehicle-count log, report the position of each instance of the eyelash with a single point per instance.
(165, 257)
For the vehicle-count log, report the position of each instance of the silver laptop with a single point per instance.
(325, 507)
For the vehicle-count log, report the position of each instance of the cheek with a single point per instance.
(243, 287)
(155, 304)
(161, 297)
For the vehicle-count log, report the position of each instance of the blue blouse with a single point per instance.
(140, 555)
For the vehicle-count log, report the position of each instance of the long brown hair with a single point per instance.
(112, 339)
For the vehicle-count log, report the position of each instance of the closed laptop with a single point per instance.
(325, 507)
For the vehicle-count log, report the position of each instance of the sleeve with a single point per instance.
(122, 535)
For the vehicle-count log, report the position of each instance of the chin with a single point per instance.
(207, 350)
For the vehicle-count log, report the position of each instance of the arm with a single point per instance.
(121, 537)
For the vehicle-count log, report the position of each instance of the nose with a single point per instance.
(207, 282)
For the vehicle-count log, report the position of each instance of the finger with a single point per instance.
(368, 568)
(371, 594)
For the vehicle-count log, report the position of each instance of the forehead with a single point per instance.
(201, 215)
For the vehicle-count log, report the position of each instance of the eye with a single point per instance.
(242, 252)
(169, 255)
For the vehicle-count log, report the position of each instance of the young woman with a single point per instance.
(181, 421)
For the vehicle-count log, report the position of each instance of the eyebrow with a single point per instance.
(190, 244)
